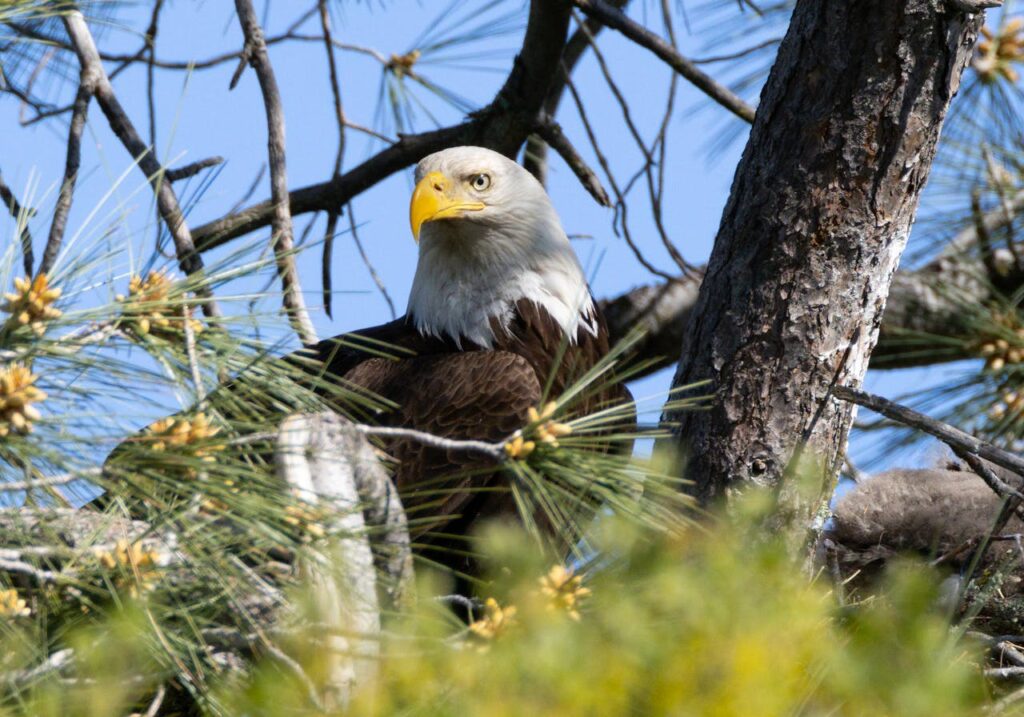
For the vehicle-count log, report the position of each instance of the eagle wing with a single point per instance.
(478, 395)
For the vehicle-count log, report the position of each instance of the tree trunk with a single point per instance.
(819, 214)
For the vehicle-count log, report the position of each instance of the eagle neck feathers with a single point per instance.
(468, 289)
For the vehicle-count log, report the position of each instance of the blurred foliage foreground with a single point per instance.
(716, 621)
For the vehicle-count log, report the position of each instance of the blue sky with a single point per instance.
(197, 116)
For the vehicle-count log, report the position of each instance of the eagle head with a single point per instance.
(488, 238)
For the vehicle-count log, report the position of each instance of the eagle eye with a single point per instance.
(480, 182)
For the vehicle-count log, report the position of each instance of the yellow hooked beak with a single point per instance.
(436, 197)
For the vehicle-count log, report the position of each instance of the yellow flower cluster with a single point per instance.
(307, 518)
(1010, 403)
(564, 589)
(999, 353)
(150, 308)
(496, 620)
(545, 431)
(31, 303)
(402, 64)
(11, 605)
(548, 431)
(143, 565)
(997, 53)
(17, 394)
(175, 433)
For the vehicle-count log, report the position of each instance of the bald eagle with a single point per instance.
(500, 319)
(499, 315)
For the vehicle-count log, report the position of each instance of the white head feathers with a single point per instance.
(503, 243)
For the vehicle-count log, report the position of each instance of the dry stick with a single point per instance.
(617, 20)
(951, 436)
(354, 230)
(339, 116)
(79, 112)
(21, 215)
(627, 117)
(281, 225)
(1012, 500)
(167, 201)
(551, 132)
(192, 169)
(620, 202)
(535, 156)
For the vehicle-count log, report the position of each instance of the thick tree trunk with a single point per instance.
(820, 210)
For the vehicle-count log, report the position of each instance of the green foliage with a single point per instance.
(717, 621)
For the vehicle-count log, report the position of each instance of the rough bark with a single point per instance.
(818, 216)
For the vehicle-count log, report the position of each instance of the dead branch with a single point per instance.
(21, 215)
(503, 126)
(551, 132)
(953, 437)
(167, 201)
(339, 116)
(79, 111)
(617, 20)
(192, 169)
(281, 222)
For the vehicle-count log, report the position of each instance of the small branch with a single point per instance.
(953, 437)
(21, 216)
(551, 132)
(492, 450)
(158, 700)
(59, 661)
(190, 170)
(281, 225)
(354, 230)
(339, 116)
(167, 200)
(193, 357)
(1012, 499)
(42, 577)
(998, 486)
(79, 111)
(973, 6)
(48, 481)
(617, 20)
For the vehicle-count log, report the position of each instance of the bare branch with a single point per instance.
(617, 20)
(503, 126)
(354, 230)
(79, 111)
(21, 215)
(167, 200)
(281, 224)
(491, 450)
(953, 437)
(48, 481)
(339, 116)
(192, 169)
(535, 156)
(552, 133)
